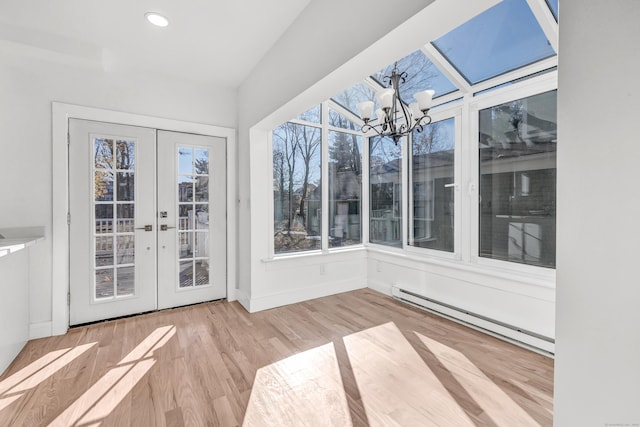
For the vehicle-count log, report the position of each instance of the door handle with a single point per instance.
(146, 228)
(165, 227)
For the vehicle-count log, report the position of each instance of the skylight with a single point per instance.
(553, 5)
(501, 39)
(422, 74)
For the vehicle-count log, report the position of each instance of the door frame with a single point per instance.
(61, 113)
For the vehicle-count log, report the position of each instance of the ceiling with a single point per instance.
(211, 41)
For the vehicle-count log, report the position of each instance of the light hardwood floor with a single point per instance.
(354, 359)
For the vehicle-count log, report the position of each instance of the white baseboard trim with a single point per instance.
(381, 287)
(293, 296)
(40, 330)
(243, 298)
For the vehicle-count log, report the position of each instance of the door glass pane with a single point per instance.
(345, 189)
(185, 161)
(112, 246)
(201, 163)
(202, 272)
(201, 217)
(385, 192)
(186, 273)
(431, 202)
(104, 283)
(201, 244)
(126, 282)
(518, 143)
(103, 153)
(125, 155)
(104, 250)
(185, 217)
(185, 245)
(125, 218)
(125, 249)
(125, 184)
(202, 188)
(103, 186)
(185, 189)
(193, 214)
(104, 218)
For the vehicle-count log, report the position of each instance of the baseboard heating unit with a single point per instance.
(531, 340)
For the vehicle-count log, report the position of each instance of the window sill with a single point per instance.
(536, 276)
(313, 254)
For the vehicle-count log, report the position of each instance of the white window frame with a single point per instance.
(536, 85)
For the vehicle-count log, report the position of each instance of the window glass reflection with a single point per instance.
(518, 180)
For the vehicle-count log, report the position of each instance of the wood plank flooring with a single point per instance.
(354, 359)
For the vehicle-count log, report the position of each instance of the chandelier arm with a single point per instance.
(367, 127)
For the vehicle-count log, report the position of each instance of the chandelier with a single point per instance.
(394, 118)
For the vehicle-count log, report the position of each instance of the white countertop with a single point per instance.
(18, 238)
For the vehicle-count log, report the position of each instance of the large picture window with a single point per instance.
(518, 181)
(296, 188)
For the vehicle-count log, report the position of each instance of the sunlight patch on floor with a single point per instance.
(491, 398)
(304, 389)
(396, 385)
(36, 372)
(103, 396)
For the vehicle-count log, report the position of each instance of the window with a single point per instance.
(431, 198)
(301, 149)
(501, 39)
(385, 192)
(476, 186)
(296, 188)
(345, 188)
(518, 180)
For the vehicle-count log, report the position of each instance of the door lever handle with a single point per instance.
(146, 228)
(165, 227)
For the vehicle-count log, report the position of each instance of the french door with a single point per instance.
(147, 219)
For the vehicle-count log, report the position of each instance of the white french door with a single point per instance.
(192, 219)
(147, 219)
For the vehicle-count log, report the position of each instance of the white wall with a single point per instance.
(30, 79)
(597, 369)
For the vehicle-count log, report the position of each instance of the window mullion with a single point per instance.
(324, 176)
(405, 193)
(469, 163)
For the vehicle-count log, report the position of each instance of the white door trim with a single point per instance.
(61, 113)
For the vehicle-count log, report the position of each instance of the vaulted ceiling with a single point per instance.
(211, 41)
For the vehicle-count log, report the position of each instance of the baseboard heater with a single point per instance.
(531, 340)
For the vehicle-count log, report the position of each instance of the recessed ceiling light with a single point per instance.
(156, 19)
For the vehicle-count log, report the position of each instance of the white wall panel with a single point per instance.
(598, 293)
